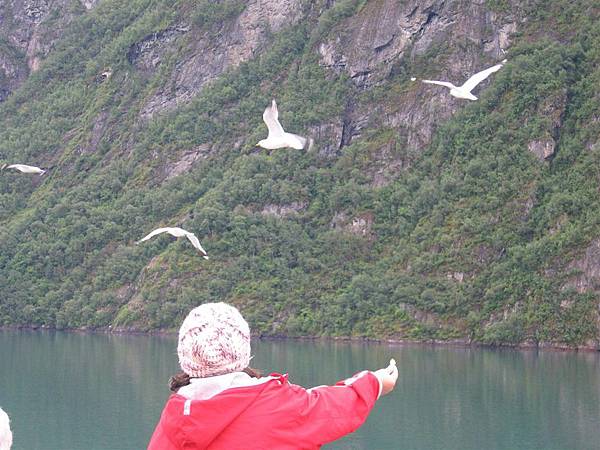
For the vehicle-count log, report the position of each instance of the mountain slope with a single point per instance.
(414, 215)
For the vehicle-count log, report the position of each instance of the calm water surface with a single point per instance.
(78, 391)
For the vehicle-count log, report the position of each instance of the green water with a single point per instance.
(79, 391)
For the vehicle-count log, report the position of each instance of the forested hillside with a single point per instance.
(412, 215)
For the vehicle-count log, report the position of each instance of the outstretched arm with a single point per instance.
(330, 412)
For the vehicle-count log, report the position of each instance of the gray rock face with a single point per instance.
(587, 279)
(504, 314)
(225, 45)
(328, 138)
(28, 37)
(360, 225)
(147, 54)
(186, 161)
(455, 276)
(542, 148)
(12, 72)
(98, 130)
(389, 162)
(426, 317)
(553, 109)
(367, 46)
(35, 10)
(89, 4)
(283, 210)
(388, 39)
(373, 39)
(588, 267)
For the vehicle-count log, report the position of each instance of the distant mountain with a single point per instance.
(413, 215)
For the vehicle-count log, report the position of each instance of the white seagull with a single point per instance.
(277, 138)
(178, 232)
(464, 91)
(24, 168)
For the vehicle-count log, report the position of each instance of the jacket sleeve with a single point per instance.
(331, 412)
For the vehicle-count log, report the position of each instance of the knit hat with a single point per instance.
(214, 339)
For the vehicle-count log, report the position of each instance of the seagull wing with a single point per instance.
(295, 141)
(270, 116)
(25, 168)
(154, 233)
(441, 83)
(17, 166)
(196, 243)
(479, 77)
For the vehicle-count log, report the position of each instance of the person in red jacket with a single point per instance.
(220, 404)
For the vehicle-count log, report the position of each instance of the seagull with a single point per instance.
(24, 168)
(413, 79)
(464, 91)
(278, 138)
(178, 232)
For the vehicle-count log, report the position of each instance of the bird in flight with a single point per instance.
(464, 91)
(178, 232)
(277, 137)
(24, 168)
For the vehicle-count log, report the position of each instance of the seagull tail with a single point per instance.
(309, 144)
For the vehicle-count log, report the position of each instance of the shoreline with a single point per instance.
(458, 342)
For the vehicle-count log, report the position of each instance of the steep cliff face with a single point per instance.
(210, 49)
(384, 41)
(411, 215)
(28, 30)
(389, 40)
(387, 35)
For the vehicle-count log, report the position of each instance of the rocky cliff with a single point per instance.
(28, 32)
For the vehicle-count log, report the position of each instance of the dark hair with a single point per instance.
(254, 373)
(178, 380)
(183, 379)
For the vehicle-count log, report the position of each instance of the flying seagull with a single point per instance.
(178, 232)
(24, 168)
(277, 138)
(464, 91)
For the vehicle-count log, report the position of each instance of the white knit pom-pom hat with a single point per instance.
(214, 339)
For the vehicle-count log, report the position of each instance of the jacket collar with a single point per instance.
(205, 388)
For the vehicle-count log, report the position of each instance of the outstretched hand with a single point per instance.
(387, 377)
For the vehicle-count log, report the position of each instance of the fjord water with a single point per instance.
(94, 391)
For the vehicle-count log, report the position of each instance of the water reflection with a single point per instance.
(79, 391)
(82, 391)
(461, 398)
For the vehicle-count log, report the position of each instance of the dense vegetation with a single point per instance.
(474, 240)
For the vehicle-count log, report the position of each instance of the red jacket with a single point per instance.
(271, 415)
